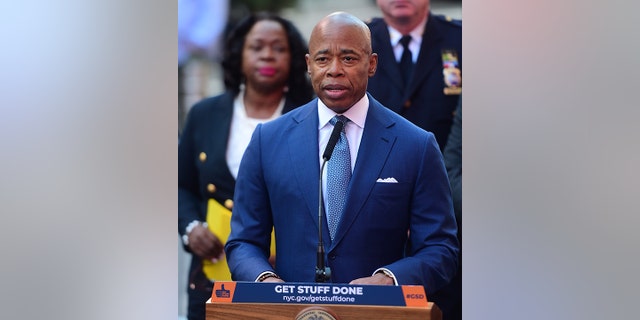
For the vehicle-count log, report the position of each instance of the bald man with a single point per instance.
(396, 224)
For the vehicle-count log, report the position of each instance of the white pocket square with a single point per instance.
(387, 180)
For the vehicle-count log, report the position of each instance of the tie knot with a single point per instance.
(340, 118)
(405, 40)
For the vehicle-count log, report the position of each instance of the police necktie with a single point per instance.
(338, 176)
(406, 62)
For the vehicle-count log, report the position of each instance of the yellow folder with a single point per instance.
(219, 221)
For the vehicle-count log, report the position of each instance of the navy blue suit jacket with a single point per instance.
(422, 101)
(277, 186)
(206, 133)
(202, 162)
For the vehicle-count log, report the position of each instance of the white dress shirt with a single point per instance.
(414, 45)
(353, 129)
(242, 127)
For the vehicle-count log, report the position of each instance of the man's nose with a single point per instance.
(335, 68)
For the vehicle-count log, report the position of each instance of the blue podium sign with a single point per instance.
(318, 293)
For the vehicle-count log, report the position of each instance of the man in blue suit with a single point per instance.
(397, 226)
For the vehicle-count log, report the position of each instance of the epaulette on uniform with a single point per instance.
(449, 20)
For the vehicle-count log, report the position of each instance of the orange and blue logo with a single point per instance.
(223, 291)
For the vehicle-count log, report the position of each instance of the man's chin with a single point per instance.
(336, 105)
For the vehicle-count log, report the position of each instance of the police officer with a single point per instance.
(423, 84)
(429, 96)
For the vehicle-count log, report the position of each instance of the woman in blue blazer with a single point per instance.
(265, 76)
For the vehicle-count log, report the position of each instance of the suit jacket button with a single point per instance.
(332, 257)
(211, 187)
(228, 204)
(203, 157)
(407, 104)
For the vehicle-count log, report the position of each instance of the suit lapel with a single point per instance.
(216, 135)
(388, 63)
(376, 144)
(303, 152)
(428, 52)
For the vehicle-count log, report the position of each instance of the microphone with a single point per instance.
(323, 273)
(335, 135)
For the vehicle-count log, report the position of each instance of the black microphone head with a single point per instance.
(333, 139)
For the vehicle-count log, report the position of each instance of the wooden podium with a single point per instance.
(318, 301)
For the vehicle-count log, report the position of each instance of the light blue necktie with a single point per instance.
(338, 176)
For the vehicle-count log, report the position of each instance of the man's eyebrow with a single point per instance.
(350, 51)
(342, 51)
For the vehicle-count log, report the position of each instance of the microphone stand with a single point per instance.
(323, 273)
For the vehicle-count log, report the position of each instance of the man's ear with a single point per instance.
(373, 64)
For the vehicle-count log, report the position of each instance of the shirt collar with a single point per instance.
(416, 34)
(357, 113)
